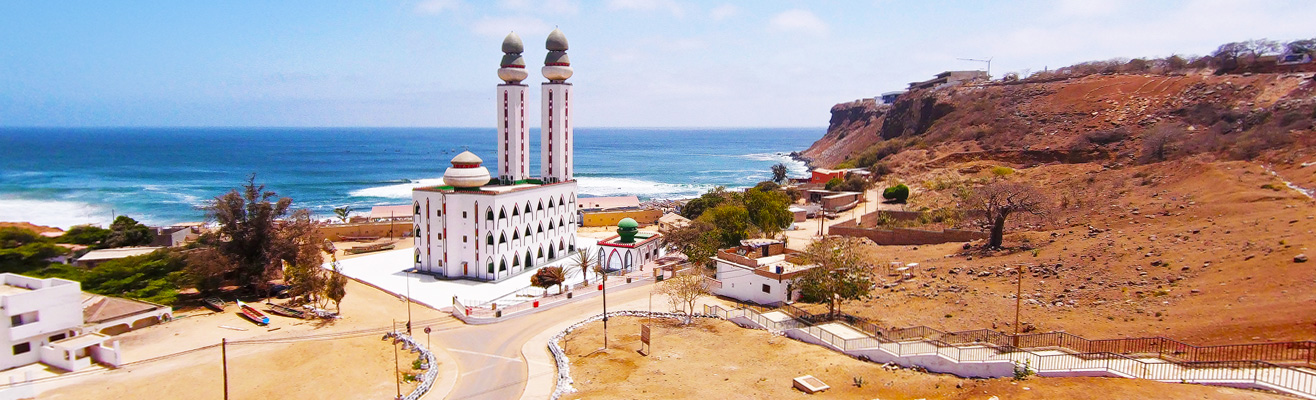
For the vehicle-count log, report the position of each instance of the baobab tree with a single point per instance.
(999, 200)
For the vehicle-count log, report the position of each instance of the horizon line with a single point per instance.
(379, 127)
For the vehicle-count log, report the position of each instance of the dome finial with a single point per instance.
(557, 67)
(512, 67)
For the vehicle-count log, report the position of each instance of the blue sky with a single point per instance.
(639, 63)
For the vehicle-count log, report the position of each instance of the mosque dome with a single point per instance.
(556, 40)
(626, 230)
(512, 67)
(512, 44)
(466, 171)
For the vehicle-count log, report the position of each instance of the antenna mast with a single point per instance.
(988, 61)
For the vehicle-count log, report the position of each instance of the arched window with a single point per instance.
(527, 206)
(417, 208)
(516, 262)
(502, 265)
(488, 214)
(417, 232)
(502, 238)
(491, 271)
(528, 261)
(541, 252)
(541, 228)
(550, 203)
(516, 235)
(560, 201)
(417, 256)
(502, 213)
(541, 206)
(488, 239)
(527, 231)
(516, 211)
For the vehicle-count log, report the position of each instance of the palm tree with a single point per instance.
(342, 213)
(583, 263)
(779, 173)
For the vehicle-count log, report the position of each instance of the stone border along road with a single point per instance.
(431, 374)
(564, 380)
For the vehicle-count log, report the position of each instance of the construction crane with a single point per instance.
(988, 61)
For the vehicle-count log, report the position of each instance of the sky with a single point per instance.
(638, 63)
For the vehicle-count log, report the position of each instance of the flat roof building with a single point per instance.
(762, 271)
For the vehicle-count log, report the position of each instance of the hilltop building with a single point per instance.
(485, 227)
(950, 77)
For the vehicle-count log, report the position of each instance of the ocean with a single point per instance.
(67, 176)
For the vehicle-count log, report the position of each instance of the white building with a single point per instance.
(44, 320)
(630, 248)
(482, 228)
(762, 271)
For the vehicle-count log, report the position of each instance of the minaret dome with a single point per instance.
(557, 67)
(512, 68)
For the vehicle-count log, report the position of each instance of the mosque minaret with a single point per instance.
(513, 134)
(555, 133)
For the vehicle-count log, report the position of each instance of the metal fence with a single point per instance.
(1155, 358)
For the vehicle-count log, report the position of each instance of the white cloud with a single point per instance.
(567, 7)
(723, 12)
(647, 5)
(433, 7)
(1087, 8)
(798, 20)
(498, 27)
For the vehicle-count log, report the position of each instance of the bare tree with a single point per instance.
(684, 290)
(1000, 200)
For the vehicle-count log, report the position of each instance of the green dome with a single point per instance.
(628, 223)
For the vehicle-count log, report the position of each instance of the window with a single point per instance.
(490, 266)
(767, 289)
(58, 337)
(463, 238)
(463, 214)
(488, 239)
(22, 348)
(417, 209)
(16, 320)
(488, 215)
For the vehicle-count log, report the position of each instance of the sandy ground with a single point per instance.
(717, 359)
(350, 367)
(1196, 251)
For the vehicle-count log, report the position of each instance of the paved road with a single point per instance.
(489, 357)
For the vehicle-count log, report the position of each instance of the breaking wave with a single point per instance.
(57, 213)
(396, 191)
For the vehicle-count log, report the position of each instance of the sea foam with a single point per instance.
(396, 191)
(57, 213)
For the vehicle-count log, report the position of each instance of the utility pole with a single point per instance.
(605, 307)
(223, 353)
(396, 378)
(408, 270)
(988, 61)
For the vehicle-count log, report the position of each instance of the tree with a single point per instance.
(698, 240)
(1227, 54)
(732, 222)
(343, 213)
(842, 272)
(854, 183)
(336, 288)
(253, 238)
(779, 173)
(584, 263)
(1301, 46)
(22, 250)
(695, 207)
(1263, 47)
(87, 235)
(833, 183)
(768, 210)
(152, 277)
(999, 200)
(547, 277)
(896, 194)
(684, 290)
(126, 231)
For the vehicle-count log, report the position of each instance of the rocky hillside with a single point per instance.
(1116, 117)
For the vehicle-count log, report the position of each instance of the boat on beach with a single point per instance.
(215, 303)
(253, 314)
(286, 311)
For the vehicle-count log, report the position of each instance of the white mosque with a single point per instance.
(479, 227)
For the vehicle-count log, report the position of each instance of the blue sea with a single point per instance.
(67, 176)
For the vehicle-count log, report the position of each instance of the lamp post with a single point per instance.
(408, 271)
(1018, 302)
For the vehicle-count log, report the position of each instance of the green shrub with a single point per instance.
(898, 193)
(834, 183)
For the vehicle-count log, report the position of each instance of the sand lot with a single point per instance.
(347, 359)
(716, 359)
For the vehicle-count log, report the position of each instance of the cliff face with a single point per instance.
(1122, 117)
(854, 127)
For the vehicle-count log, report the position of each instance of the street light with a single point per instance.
(408, 271)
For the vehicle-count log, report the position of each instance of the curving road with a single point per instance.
(489, 360)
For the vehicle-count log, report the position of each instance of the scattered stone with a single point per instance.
(1301, 258)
